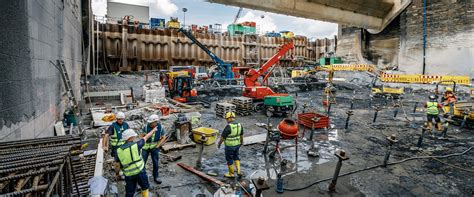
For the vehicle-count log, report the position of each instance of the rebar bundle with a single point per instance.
(44, 167)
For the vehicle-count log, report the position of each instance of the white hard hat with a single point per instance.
(128, 134)
(120, 115)
(153, 118)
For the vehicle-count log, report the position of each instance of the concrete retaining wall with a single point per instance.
(450, 40)
(35, 32)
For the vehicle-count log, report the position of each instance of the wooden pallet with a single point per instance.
(237, 105)
(244, 113)
(241, 98)
(224, 105)
(223, 108)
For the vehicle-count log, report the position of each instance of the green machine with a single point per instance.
(330, 60)
(278, 104)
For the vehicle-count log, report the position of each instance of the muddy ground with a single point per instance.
(364, 142)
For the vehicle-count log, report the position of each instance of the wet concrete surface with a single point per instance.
(364, 142)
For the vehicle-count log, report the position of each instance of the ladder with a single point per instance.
(70, 93)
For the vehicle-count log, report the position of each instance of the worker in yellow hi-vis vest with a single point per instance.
(151, 146)
(432, 113)
(115, 133)
(233, 138)
(132, 164)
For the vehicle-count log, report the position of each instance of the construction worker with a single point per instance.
(432, 112)
(131, 161)
(151, 144)
(448, 96)
(115, 133)
(449, 99)
(232, 137)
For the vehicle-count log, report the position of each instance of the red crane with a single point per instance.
(253, 88)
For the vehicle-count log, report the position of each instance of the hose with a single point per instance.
(380, 165)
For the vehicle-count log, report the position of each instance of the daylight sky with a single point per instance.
(201, 12)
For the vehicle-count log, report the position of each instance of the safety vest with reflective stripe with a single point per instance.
(152, 142)
(116, 138)
(233, 139)
(432, 108)
(130, 158)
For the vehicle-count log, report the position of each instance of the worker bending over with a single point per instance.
(131, 161)
(151, 145)
(115, 133)
(233, 137)
(432, 112)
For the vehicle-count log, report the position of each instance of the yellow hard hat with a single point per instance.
(449, 89)
(229, 115)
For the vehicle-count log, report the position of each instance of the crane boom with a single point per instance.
(251, 78)
(225, 69)
(237, 16)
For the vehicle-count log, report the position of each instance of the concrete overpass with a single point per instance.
(373, 15)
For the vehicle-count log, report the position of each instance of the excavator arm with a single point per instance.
(225, 69)
(251, 78)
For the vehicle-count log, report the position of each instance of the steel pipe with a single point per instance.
(341, 155)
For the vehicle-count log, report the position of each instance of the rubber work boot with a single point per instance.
(145, 193)
(230, 174)
(157, 180)
(237, 166)
(439, 126)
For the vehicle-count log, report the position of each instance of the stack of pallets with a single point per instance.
(223, 108)
(244, 105)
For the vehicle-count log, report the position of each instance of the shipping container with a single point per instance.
(157, 23)
(287, 34)
(235, 29)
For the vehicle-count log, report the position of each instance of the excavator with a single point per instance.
(181, 87)
(259, 91)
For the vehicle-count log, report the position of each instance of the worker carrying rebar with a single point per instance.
(115, 132)
(432, 113)
(151, 145)
(233, 138)
(131, 161)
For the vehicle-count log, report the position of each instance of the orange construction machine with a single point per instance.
(181, 87)
(273, 103)
(253, 88)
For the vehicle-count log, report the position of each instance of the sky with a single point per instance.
(201, 12)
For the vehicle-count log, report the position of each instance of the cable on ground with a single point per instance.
(380, 165)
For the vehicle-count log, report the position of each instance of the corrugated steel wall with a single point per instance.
(158, 49)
